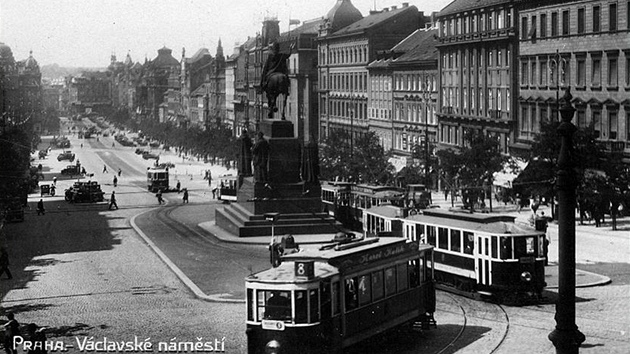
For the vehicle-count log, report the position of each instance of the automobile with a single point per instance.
(149, 155)
(140, 151)
(154, 144)
(71, 170)
(66, 155)
(105, 134)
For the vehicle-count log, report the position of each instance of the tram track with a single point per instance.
(484, 326)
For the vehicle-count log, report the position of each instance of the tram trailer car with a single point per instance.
(324, 300)
(484, 255)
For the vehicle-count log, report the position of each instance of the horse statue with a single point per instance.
(277, 84)
(275, 79)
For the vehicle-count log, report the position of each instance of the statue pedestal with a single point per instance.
(298, 202)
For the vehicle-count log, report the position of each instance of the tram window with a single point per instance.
(420, 233)
(301, 307)
(443, 238)
(486, 245)
(313, 296)
(431, 235)
(250, 304)
(529, 244)
(336, 297)
(352, 300)
(423, 270)
(469, 242)
(324, 290)
(402, 277)
(413, 268)
(456, 241)
(494, 247)
(277, 305)
(365, 289)
(377, 285)
(506, 247)
(390, 281)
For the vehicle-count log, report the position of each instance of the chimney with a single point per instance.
(386, 9)
(405, 4)
(394, 7)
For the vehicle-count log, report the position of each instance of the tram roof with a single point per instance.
(494, 224)
(285, 273)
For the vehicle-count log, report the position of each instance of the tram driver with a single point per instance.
(278, 306)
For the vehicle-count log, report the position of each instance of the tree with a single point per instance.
(366, 162)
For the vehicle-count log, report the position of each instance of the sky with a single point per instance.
(85, 33)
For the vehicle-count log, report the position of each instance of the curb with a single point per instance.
(178, 272)
(214, 230)
(603, 280)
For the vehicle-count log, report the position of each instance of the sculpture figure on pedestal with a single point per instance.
(275, 78)
(260, 153)
(245, 155)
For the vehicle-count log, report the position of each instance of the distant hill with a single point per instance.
(54, 71)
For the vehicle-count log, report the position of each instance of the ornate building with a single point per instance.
(581, 45)
(154, 83)
(477, 56)
(348, 42)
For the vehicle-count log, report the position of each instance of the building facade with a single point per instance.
(583, 46)
(477, 55)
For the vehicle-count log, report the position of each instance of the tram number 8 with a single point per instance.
(304, 269)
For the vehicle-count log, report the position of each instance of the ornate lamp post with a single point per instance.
(566, 337)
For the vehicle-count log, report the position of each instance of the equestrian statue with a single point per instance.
(275, 78)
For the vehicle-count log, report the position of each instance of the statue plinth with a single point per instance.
(284, 192)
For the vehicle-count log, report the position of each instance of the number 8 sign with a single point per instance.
(304, 269)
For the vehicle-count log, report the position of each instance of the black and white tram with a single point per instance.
(323, 300)
(487, 255)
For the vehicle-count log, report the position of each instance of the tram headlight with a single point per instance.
(272, 347)
(526, 277)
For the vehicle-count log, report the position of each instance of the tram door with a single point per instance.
(482, 260)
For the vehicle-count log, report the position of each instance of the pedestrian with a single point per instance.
(105, 169)
(119, 171)
(214, 193)
(37, 338)
(115, 181)
(4, 263)
(83, 172)
(112, 201)
(11, 330)
(159, 197)
(40, 207)
(185, 199)
(81, 145)
(55, 180)
(178, 186)
(113, 144)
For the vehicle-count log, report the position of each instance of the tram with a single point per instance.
(327, 299)
(157, 179)
(227, 188)
(483, 255)
(336, 201)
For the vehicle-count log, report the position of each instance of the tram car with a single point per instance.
(483, 255)
(336, 201)
(227, 188)
(157, 179)
(327, 299)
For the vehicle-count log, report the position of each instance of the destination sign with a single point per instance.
(374, 255)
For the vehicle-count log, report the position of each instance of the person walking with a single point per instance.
(105, 169)
(112, 201)
(55, 180)
(40, 207)
(115, 181)
(11, 330)
(38, 339)
(178, 186)
(185, 199)
(159, 197)
(4, 263)
(119, 171)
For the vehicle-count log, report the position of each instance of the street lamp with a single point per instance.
(559, 63)
(273, 217)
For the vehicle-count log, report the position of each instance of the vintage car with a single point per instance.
(66, 155)
(85, 192)
(140, 151)
(71, 170)
(149, 155)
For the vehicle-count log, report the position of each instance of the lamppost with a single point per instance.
(273, 245)
(566, 337)
(558, 63)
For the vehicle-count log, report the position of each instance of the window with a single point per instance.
(612, 72)
(543, 25)
(506, 247)
(443, 238)
(533, 73)
(628, 71)
(524, 28)
(581, 118)
(565, 72)
(543, 73)
(612, 125)
(402, 276)
(612, 17)
(274, 305)
(565, 23)
(596, 77)
(365, 289)
(456, 241)
(524, 72)
(390, 281)
(581, 19)
(554, 24)
(431, 229)
(597, 121)
(352, 300)
(469, 242)
(494, 246)
(532, 31)
(313, 297)
(596, 19)
(581, 72)
(377, 285)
